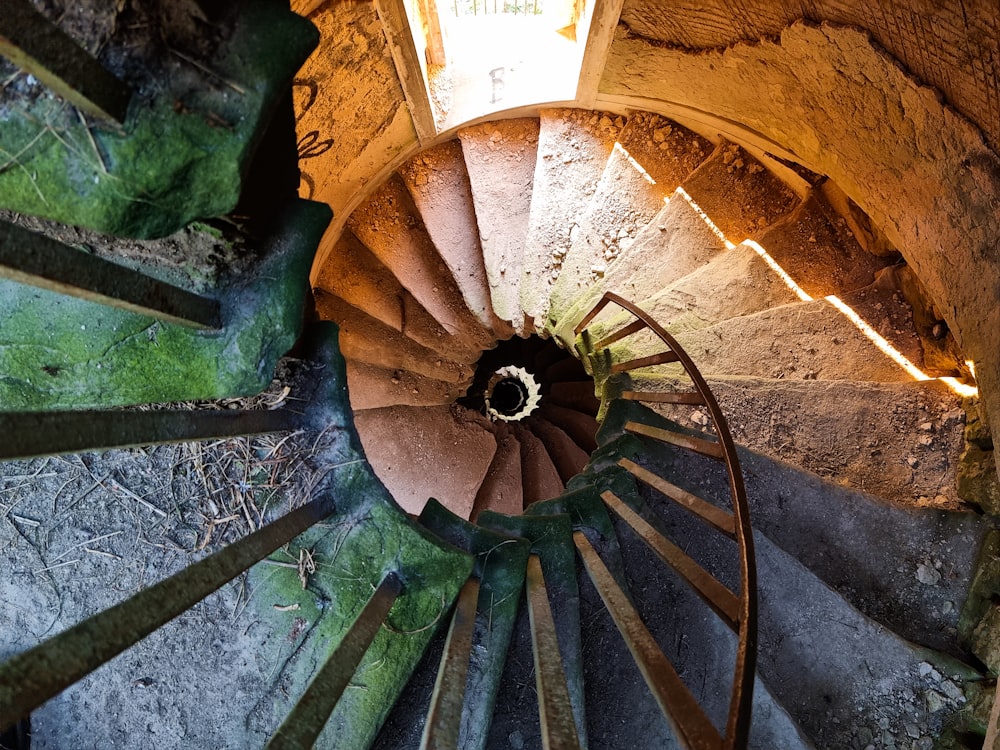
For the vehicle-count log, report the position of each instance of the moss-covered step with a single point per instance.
(309, 593)
(551, 538)
(500, 565)
(60, 352)
(185, 146)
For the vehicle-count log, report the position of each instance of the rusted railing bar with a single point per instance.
(29, 434)
(31, 258)
(722, 601)
(692, 726)
(33, 677)
(665, 397)
(716, 517)
(634, 327)
(34, 44)
(303, 725)
(554, 708)
(591, 315)
(445, 716)
(699, 445)
(663, 358)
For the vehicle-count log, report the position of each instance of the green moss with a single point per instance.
(369, 537)
(60, 352)
(181, 156)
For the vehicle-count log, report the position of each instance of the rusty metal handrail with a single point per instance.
(738, 723)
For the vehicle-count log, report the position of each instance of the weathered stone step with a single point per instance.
(649, 161)
(364, 339)
(540, 479)
(390, 226)
(819, 253)
(576, 395)
(573, 148)
(581, 426)
(442, 452)
(372, 387)
(674, 243)
(738, 194)
(507, 148)
(899, 441)
(568, 457)
(352, 273)
(501, 490)
(439, 185)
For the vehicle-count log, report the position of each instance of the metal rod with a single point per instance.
(595, 311)
(29, 434)
(677, 703)
(722, 601)
(698, 445)
(445, 716)
(31, 258)
(33, 677)
(716, 517)
(302, 727)
(634, 327)
(34, 44)
(554, 708)
(664, 397)
(663, 358)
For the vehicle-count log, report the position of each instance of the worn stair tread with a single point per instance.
(372, 387)
(677, 232)
(884, 558)
(822, 256)
(352, 273)
(501, 490)
(439, 185)
(433, 451)
(748, 346)
(650, 158)
(364, 339)
(500, 561)
(503, 207)
(580, 426)
(574, 395)
(568, 457)
(390, 226)
(540, 479)
(909, 457)
(551, 540)
(734, 283)
(739, 194)
(573, 148)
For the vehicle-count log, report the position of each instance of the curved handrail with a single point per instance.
(738, 724)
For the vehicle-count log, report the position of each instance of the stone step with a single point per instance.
(791, 341)
(364, 339)
(907, 568)
(501, 490)
(568, 457)
(390, 226)
(442, 452)
(675, 242)
(540, 479)
(581, 426)
(507, 148)
(439, 185)
(734, 283)
(576, 395)
(649, 161)
(820, 254)
(372, 387)
(573, 149)
(899, 441)
(352, 273)
(738, 194)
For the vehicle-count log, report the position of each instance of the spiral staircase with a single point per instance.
(533, 527)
